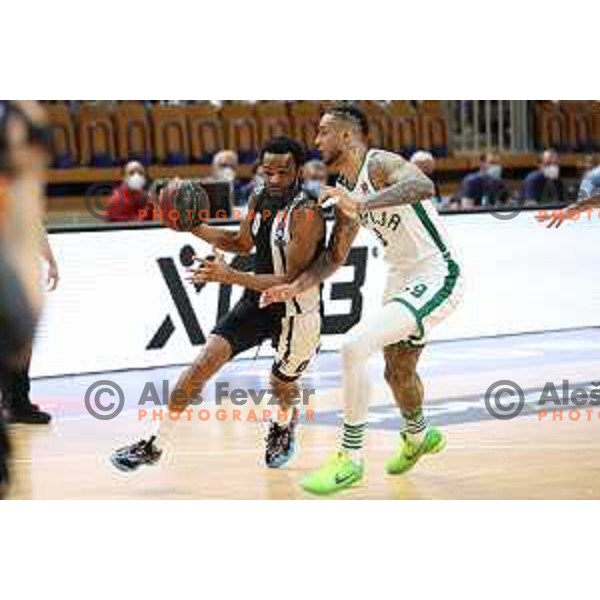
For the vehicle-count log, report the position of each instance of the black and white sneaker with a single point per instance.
(141, 453)
(281, 444)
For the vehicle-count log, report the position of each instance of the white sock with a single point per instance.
(415, 426)
(353, 435)
(164, 431)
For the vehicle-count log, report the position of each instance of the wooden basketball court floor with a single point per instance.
(522, 458)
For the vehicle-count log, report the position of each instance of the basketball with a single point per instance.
(183, 204)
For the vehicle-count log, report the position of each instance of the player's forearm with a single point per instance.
(258, 282)
(407, 191)
(588, 203)
(46, 249)
(321, 269)
(223, 239)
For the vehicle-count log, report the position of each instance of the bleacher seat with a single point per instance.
(273, 120)
(305, 116)
(550, 126)
(404, 126)
(594, 109)
(433, 128)
(206, 131)
(241, 130)
(134, 139)
(171, 138)
(96, 136)
(64, 141)
(578, 125)
(379, 124)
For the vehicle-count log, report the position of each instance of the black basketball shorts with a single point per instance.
(296, 338)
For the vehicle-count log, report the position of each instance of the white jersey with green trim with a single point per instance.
(412, 235)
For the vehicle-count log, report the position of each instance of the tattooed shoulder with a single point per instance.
(381, 165)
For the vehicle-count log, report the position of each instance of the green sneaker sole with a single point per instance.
(339, 486)
(394, 468)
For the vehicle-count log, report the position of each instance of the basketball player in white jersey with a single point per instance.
(386, 194)
(287, 231)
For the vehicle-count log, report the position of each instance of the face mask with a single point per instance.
(494, 171)
(226, 174)
(136, 182)
(258, 184)
(312, 187)
(551, 171)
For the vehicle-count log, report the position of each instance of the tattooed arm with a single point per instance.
(326, 264)
(397, 182)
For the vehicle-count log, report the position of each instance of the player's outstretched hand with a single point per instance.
(553, 220)
(556, 219)
(277, 293)
(52, 277)
(212, 268)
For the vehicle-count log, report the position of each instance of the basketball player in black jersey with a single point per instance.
(23, 159)
(286, 229)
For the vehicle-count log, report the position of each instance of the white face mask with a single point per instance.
(136, 182)
(226, 174)
(551, 171)
(494, 171)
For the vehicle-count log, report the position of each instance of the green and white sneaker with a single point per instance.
(338, 473)
(409, 453)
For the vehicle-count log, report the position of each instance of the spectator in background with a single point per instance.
(129, 198)
(224, 170)
(544, 185)
(485, 188)
(246, 190)
(315, 170)
(425, 161)
(587, 165)
(588, 197)
(590, 183)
